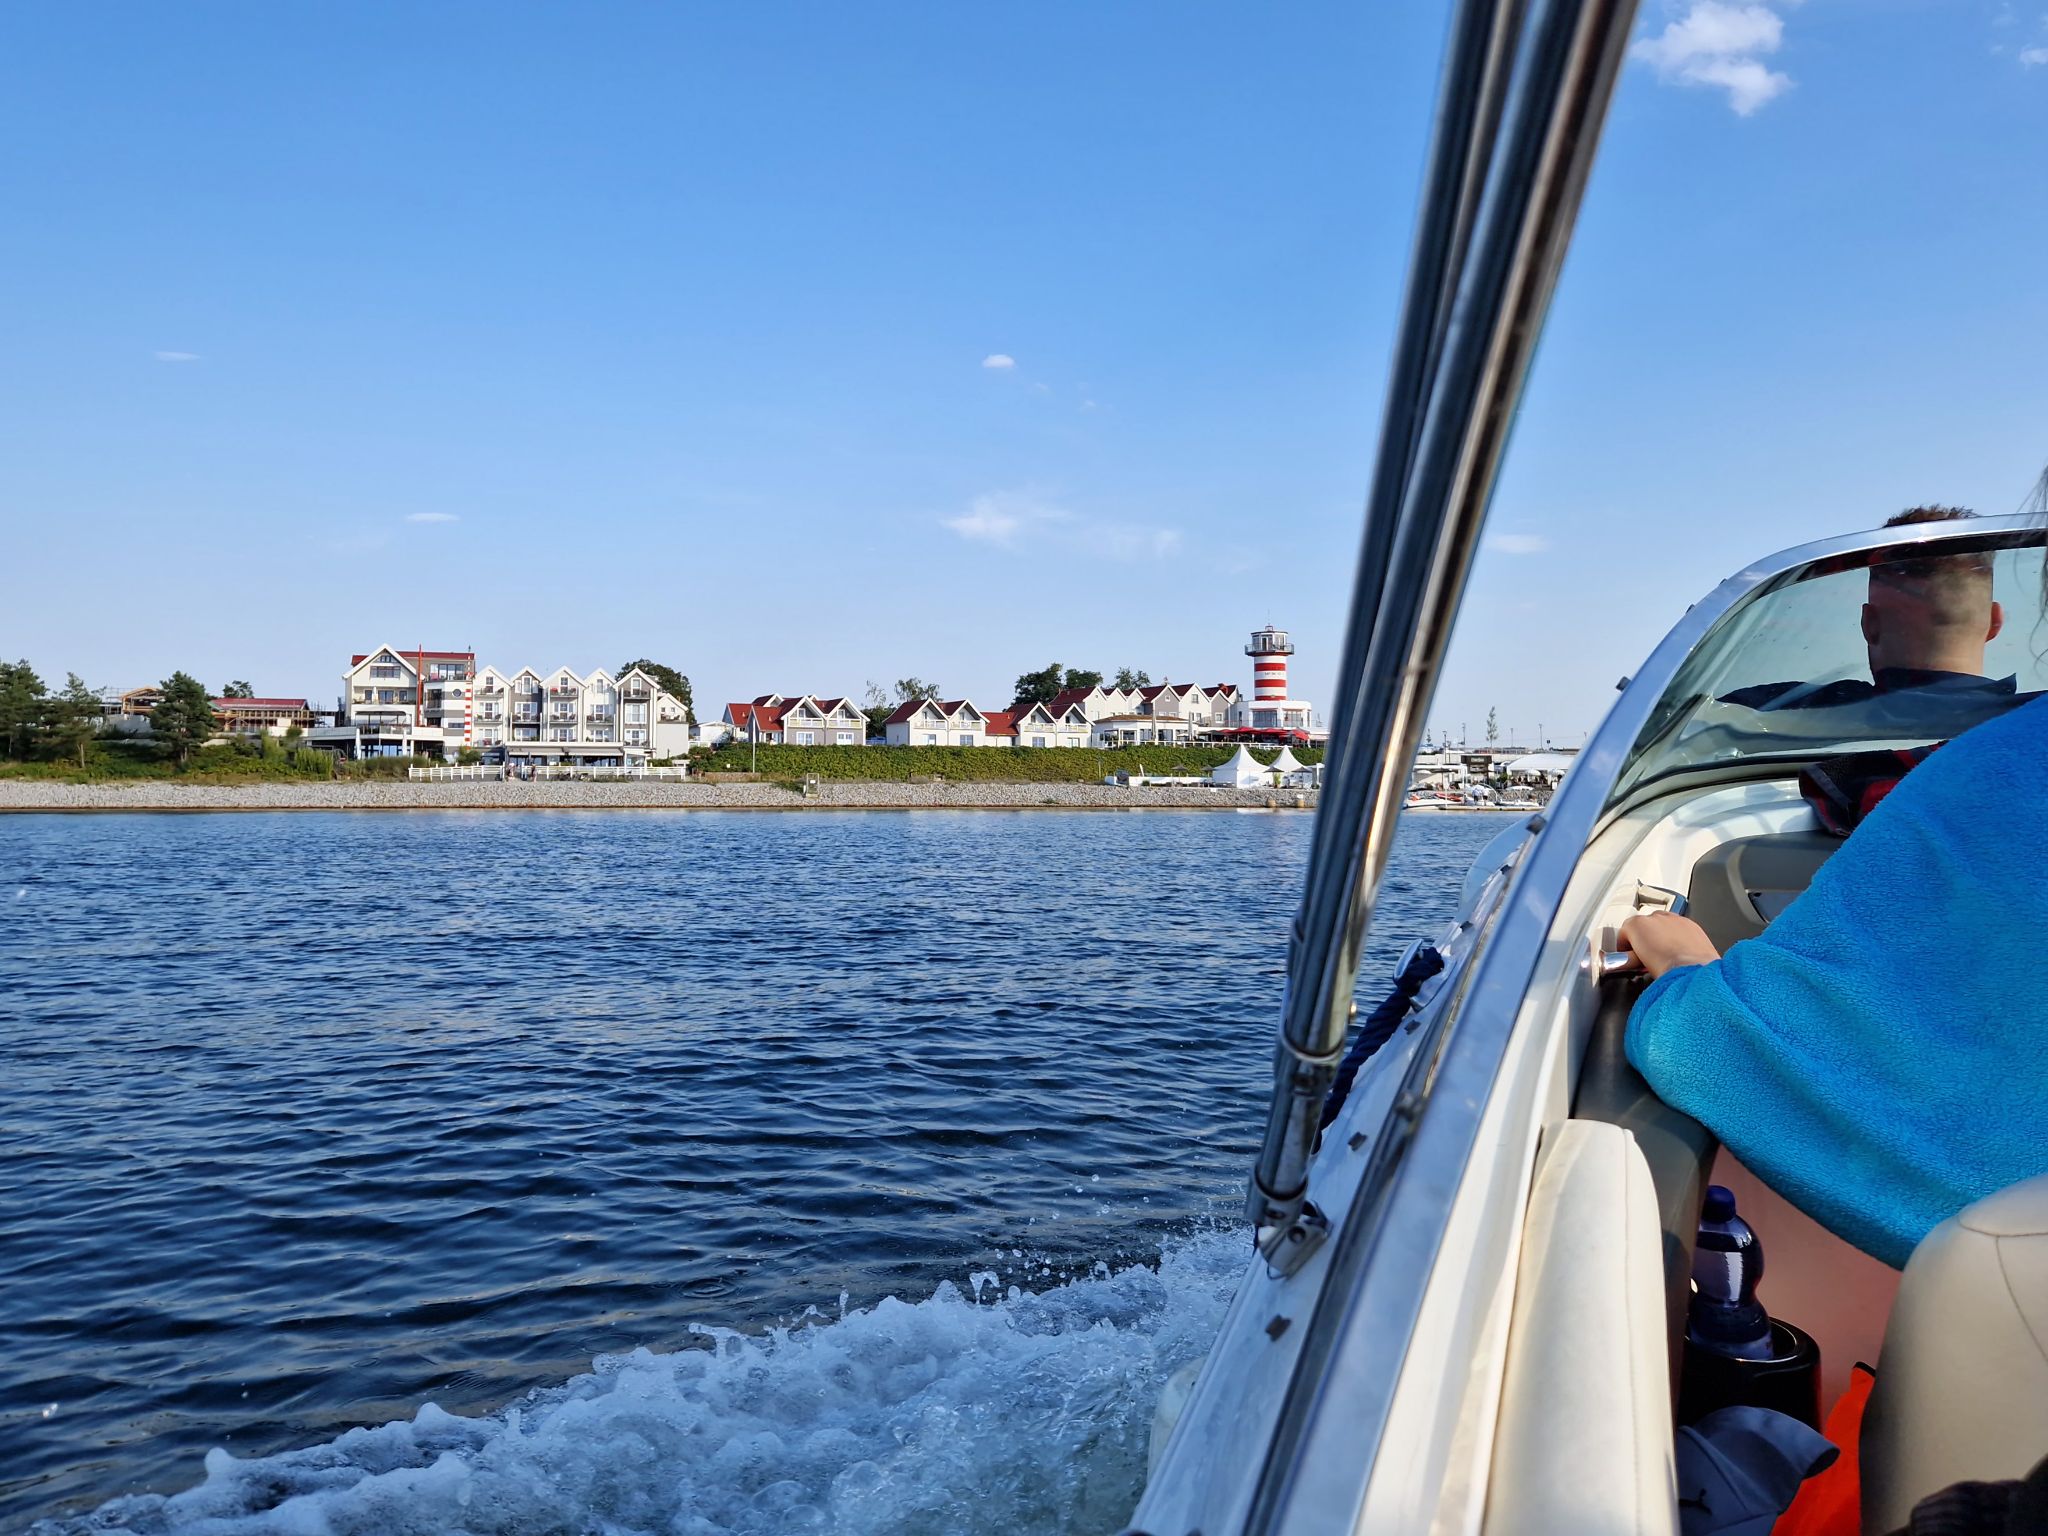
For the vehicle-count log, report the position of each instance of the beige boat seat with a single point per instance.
(1962, 1383)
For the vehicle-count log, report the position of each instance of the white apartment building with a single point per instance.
(400, 703)
(940, 723)
(594, 721)
(801, 720)
(1043, 725)
(1168, 713)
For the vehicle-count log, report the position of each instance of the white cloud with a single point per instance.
(1517, 543)
(986, 521)
(999, 360)
(432, 517)
(1010, 520)
(176, 357)
(1720, 44)
(2029, 57)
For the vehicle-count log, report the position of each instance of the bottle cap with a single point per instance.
(1719, 1204)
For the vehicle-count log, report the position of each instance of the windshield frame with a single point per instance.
(1644, 695)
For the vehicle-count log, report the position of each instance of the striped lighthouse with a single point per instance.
(1269, 651)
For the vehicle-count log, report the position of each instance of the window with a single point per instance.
(806, 738)
(386, 672)
(845, 738)
(1038, 741)
(967, 738)
(931, 738)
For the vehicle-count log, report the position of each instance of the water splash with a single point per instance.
(1024, 1412)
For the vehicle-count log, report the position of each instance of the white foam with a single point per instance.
(1015, 1413)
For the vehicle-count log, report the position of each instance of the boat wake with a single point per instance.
(984, 1408)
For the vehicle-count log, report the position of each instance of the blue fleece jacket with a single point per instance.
(1880, 1055)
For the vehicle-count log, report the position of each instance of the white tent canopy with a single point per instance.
(1243, 771)
(1547, 765)
(1285, 763)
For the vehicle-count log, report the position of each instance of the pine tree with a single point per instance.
(75, 716)
(22, 706)
(184, 717)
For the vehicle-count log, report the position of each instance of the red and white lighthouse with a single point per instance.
(1269, 651)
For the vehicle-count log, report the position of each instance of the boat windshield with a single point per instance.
(1897, 647)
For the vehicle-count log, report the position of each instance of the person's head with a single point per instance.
(1932, 613)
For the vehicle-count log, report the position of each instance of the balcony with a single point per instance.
(600, 712)
(641, 695)
(564, 691)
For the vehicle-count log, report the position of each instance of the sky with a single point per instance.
(799, 346)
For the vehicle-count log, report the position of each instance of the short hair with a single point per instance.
(1954, 586)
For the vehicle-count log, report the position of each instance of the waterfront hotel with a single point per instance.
(405, 703)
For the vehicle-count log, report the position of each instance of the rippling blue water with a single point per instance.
(308, 1120)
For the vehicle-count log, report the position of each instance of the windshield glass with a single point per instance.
(1899, 647)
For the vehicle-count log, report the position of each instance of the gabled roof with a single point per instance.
(903, 713)
(762, 716)
(1001, 722)
(1068, 697)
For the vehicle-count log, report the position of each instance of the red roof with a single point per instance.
(1066, 698)
(763, 716)
(227, 704)
(1002, 722)
(902, 712)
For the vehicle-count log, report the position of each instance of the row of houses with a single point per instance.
(1164, 714)
(402, 703)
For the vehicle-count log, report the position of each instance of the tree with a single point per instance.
(75, 716)
(910, 689)
(184, 717)
(1492, 726)
(876, 706)
(1076, 678)
(1128, 678)
(22, 706)
(671, 681)
(1037, 687)
(238, 690)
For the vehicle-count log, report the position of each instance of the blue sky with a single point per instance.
(802, 345)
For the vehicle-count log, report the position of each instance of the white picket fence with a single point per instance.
(478, 771)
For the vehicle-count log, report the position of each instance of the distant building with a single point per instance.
(594, 721)
(939, 723)
(263, 717)
(138, 701)
(1270, 711)
(801, 720)
(1049, 725)
(400, 703)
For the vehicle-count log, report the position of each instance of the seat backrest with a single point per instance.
(1962, 1384)
(1583, 1443)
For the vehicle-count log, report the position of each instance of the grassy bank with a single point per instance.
(974, 765)
(267, 761)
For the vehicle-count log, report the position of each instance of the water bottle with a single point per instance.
(1727, 1262)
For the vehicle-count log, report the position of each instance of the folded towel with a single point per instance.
(1879, 1056)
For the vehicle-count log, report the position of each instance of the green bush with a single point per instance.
(1004, 765)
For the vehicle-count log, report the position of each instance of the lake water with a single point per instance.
(704, 1172)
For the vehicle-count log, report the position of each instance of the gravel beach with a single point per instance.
(395, 795)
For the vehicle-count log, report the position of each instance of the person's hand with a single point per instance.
(1664, 942)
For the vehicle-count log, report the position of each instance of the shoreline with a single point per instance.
(26, 796)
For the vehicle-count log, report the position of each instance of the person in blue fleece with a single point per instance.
(1879, 1055)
